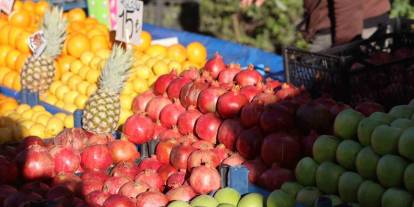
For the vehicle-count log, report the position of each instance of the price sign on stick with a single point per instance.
(6, 6)
(129, 21)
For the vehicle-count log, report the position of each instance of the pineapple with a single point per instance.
(102, 109)
(39, 72)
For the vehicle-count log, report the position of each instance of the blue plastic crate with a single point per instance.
(9, 92)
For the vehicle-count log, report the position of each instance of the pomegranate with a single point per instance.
(125, 169)
(207, 126)
(187, 120)
(151, 178)
(75, 138)
(6, 191)
(307, 143)
(179, 155)
(230, 103)
(215, 65)
(100, 139)
(276, 119)
(249, 142)
(88, 186)
(228, 132)
(189, 93)
(170, 113)
(274, 177)
(250, 114)
(205, 179)
(163, 150)
(182, 193)
(69, 181)
(162, 83)
(251, 91)
(155, 106)
(369, 107)
(29, 141)
(227, 75)
(315, 116)
(138, 129)
(96, 157)
(123, 150)
(221, 152)
(21, 199)
(233, 160)
(8, 171)
(185, 92)
(176, 180)
(95, 175)
(169, 134)
(189, 139)
(175, 86)
(338, 108)
(140, 102)
(280, 148)
(96, 198)
(287, 91)
(118, 201)
(192, 74)
(150, 163)
(273, 84)
(202, 144)
(207, 99)
(133, 189)
(256, 167)
(37, 187)
(166, 171)
(36, 163)
(151, 199)
(113, 184)
(57, 192)
(248, 77)
(267, 98)
(202, 157)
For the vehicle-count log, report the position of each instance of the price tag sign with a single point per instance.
(129, 21)
(37, 43)
(6, 6)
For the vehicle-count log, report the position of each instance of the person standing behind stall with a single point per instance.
(330, 23)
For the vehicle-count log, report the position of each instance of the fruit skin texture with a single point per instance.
(305, 171)
(402, 123)
(207, 127)
(324, 148)
(366, 163)
(327, 177)
(370, 193)
(280, 148)
(347, 152)
(396, 197)
(96, 158)
(253, 199)
(138, 129)
(365, 128)
(151, 199)
(390, 170)
(279, 198)
(123, 150)
(249, 142)
(228, 132)
(402, 111)
(227, 195)
(215, 65)
(348, 186)
(384, 139)
(205, 201)
(187, 120)
(307, 196)
(205, 179)
(274, 177)
(35, 163)
(346, 123)
(291, 188)
(118, 200)
(405, 143)
(408, 177)
(230, 104)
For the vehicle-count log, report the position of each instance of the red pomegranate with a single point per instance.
(221, 152)
(235, 159)
(202, 157)
(249, 142)
(162, 83)
(151, 199)
(267, 98)
(307, 143)
(227, 75)
(6, 191)
(138, 129)
(250, 114)
(190, 92)
(192, 74)
(280, 148)
(228, 132)
(118, 201)
(202, 145)
(29, 141)
(104, 138)
(140, 102)
(207, 99)
(133, 189)
(96, 158)
(170, 113)
(256, 167)
(89, 186)
(207, 127)
(248, 77)
(95, 175)
(69, 181)
(75, 138)
(163, 150)
(123, 150)
(230, 103)
(251, 91)
(274, 177)
(273, 84)
(215, 65)
(57, 192)
(369, 107)
(8, 171)
(276, 119)
(187, 120)
(113, 184)
(158, 129)
(182, 193)
(150, 163)
(96, 198)
(151, 178)
(315, 116)
(179, 155)
(36, 163)
(169, 134)
(175, 86)
(155, 106)
(176, 180)
(37, 187)
(287, 91)
(205, 179)
(127, 169)
(165, 171)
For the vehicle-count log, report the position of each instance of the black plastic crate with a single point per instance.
(350, 76)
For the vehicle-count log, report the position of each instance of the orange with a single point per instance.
(91, 21)
(4, 34)
(196, 52)
(86, 57)
(82, 87)
(16, 84)
(76, 66)
(177, 52)
(92, 76)
(145, 41)
(54, 126)
(41, 7)
(65, 62)
(13, 35)
(83, 71)
(21, 42)
(8, 79)
(29, 6)
(157, 50)
(18, 5)
(74, 81)
(78, 44)
(95, 62)
(66, 76)
(20, 19)
(20, 62)
(103, 54)
(80, 101)
(76, 14)
(94, 32)
(76, 27)
(4, 50)
(61, 91)
(99, 42)
(3, 72)
(11, 59)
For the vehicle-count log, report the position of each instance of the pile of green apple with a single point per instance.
(369, 161)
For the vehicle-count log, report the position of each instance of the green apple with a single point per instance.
(384, 139)
(381, 116)
(347, 152)
(346, 123)
(291, 188)
(227, 195)
(402, 111)
(393, 197)
(366, 163)
(390, 170)
(324, 148)
(327, 177)
(305, 171)
(278, 198)
(179, 204)
(406, 143)
(370, 193)
(408, 177)
(365, 129)
(348, 186)
(226, 205)
(252, 200)
(204, 200)
(307, 196)
(402, 123)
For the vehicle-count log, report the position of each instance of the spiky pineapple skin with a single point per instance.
(101, 113)
(38, 74)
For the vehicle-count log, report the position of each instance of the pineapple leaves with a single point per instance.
(54, 29)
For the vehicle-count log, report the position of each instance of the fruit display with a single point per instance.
(368, 162)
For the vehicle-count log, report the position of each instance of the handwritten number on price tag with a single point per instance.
(129, 23)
